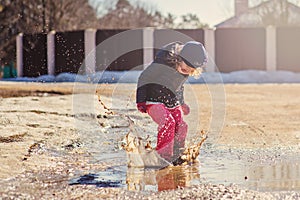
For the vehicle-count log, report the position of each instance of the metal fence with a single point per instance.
(231, 49)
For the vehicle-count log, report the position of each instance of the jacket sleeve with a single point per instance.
(180, 96)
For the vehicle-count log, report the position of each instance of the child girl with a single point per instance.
(160, 93)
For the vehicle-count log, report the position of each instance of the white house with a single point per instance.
(272, 12)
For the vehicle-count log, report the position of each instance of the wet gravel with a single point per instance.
(203, 191)
(209, 191)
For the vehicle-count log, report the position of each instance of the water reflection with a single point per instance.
(139, 179)
(159, 180)
(277, 176)
(261, 175)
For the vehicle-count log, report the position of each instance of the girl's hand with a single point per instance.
(142, 107)
(186, 109)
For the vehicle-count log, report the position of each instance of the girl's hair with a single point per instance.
(197, 72)
(173, 57)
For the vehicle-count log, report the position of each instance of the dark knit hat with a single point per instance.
(193, 54)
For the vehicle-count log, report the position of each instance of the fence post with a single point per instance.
(148, 44)
(90, 51)
(271, 64)
(209, 42)
(51, 53)
(19, 46)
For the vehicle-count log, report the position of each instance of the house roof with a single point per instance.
(257, 15)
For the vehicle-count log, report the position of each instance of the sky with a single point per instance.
(210, 12)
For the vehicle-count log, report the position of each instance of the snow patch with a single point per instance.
(245, 76)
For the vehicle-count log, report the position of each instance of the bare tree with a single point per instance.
(191, 21)
(125, 16)
(40, 16)
(69, 15)
(11, 16)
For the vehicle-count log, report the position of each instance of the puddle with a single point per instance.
(217, 166)
(253, 171)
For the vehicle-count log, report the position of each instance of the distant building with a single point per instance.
(272, 12)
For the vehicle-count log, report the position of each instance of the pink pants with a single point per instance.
(172, 130)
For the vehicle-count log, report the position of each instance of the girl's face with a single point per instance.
(185, 69)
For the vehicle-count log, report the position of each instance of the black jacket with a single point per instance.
(160, 81)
